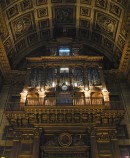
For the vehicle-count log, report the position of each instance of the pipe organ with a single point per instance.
(64, 110)
(66, 81)
(67, 75)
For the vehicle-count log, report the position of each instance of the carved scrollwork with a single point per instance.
(65, 139)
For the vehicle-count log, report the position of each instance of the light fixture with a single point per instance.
(42, 89)
(25, 90)
(75, 84)
(53, 84)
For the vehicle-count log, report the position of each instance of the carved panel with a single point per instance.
(122, 132)
(123, 31)
(116, 10)
(125, 151)
(101, 3)
(33, 38)
(106, 24)
(8, 2)
(118, 53)
(3, 29)
(40, 2)
(8, 45)
(3, 4)
(70, 1)
(23, 25)
(105, 148)
(21, 45)
(84, 23)
(26, 4)
(42, 12)
(12, 11)
(85, 1)
(56, 1)
(96, 38)
(43, 23)
(122, 2)
(83, 34)
(84, 11)
(11, 55)
(65, 139)
(44, 35)
(64, 15)
(26, 147)
(108, 44)
(121, 42)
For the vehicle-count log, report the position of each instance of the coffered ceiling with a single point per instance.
(26, 25)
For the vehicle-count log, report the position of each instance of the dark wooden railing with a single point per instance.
(71, 101)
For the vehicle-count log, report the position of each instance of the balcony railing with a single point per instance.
(71, 101)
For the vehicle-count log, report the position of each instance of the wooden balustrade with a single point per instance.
(71, 101)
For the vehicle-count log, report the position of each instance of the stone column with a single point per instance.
(36, 147)
(15, 149)
(94, 149)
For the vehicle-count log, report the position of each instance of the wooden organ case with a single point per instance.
(65, 111)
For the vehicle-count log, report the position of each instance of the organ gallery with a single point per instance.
(64, 108)
(64, 78)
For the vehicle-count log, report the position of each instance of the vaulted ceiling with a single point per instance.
(27, 25)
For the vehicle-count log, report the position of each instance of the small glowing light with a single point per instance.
(53, 84)
(42, 89)
(66, 83)
(75, 84)
(104, 90)
(25, 91)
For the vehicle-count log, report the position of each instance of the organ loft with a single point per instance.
(64, 108)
